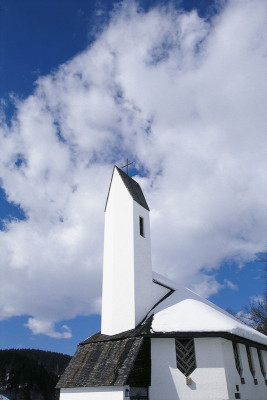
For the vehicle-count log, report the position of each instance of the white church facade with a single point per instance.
(158, 340)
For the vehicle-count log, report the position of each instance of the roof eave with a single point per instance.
(225, 335)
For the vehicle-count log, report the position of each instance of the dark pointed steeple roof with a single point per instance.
(133, 188)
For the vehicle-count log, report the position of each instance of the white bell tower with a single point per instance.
(127, 270)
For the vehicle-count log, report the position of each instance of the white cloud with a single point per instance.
(186, 100)
(230, 285)
(47, 328)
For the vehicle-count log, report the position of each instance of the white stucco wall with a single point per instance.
(118, 264)
(147, 293)
(157, 293)
(210, 374)
(248, 390)
(208, 379)
(142, 263)
(215, 377)
(232, 375)
(100, 393)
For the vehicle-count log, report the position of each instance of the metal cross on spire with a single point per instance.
(127, 165)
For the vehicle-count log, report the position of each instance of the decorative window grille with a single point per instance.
(185, 355)
(238, 364)
(138, 393)
(250, 361)
(262, 366)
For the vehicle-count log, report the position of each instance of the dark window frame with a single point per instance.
(141, 226)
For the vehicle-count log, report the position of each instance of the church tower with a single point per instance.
(127, 269)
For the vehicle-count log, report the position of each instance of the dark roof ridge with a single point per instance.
(162, 284)
(226, 335)
(143, 329)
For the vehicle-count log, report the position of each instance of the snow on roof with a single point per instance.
(186, 311)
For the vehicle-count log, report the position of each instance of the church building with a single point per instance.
(158, 339)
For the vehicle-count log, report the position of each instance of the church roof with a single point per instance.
(133, 188)
(116, 360)
(184, 311)
(101, 364)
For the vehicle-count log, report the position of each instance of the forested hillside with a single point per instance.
(31, 374)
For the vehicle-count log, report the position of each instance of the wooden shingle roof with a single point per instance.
(103, 360)
(101, 364)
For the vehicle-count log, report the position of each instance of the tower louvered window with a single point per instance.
(237, 359)
(250, 361)
(185, 355)
(262, 366)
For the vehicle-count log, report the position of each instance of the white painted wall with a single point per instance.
(89, 393)
(142, 263)
(147, 293)
(157, 293)
(215, 377)
(118, 265)
(128, 292)
(232, 375)
(248, 390)
(208, 380)
(210, 376)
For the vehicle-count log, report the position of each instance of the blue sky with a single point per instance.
(179, 88)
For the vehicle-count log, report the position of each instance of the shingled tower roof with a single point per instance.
(133, 188)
